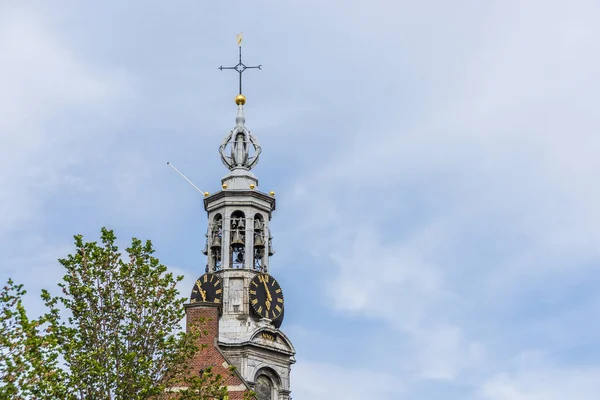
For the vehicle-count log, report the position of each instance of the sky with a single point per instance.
(435, 167)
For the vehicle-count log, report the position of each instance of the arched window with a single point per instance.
(237, 239)
(216, 240)
(259, 243)
(264, 388)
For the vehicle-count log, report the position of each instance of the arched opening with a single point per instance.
(264, 388)
(259, 243)
(216, 241)
(237, 237)
(267, 384)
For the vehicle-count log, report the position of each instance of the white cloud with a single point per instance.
(443, 353)
(36, 266)
(496, 159)
(50, 101)
(550, 383)
(488, 197)
(403, 282)
(320, 381)
(46, 90)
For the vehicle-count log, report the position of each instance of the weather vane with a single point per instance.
(240, 67)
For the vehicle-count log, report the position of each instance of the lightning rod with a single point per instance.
(184, 177)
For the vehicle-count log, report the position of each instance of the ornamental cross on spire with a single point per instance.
(240, 67)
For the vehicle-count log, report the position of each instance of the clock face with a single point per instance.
(266, 296)
(208, 288)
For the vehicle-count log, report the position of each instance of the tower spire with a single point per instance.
(244, 147)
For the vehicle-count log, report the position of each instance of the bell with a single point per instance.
(271, 249)
(237, 239)
(205, 249)
(259, 242)
(216, 242)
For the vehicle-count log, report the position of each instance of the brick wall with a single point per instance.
(211, 354)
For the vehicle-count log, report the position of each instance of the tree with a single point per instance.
(28, 358)
(118, 337)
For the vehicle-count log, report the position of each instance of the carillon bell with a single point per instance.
(271, 249)
(238, 223)
(216, 242)
(237, 239)
(259, 243)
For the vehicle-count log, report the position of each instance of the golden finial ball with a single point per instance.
(240, 99)
(206, 194)
(272, 193)
(252, 186)
(224, 186)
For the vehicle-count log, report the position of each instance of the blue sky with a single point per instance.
(435, 164)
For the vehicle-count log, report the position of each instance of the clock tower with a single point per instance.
(239, 286)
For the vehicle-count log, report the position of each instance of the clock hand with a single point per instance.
(267, 290)
(202, 292)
